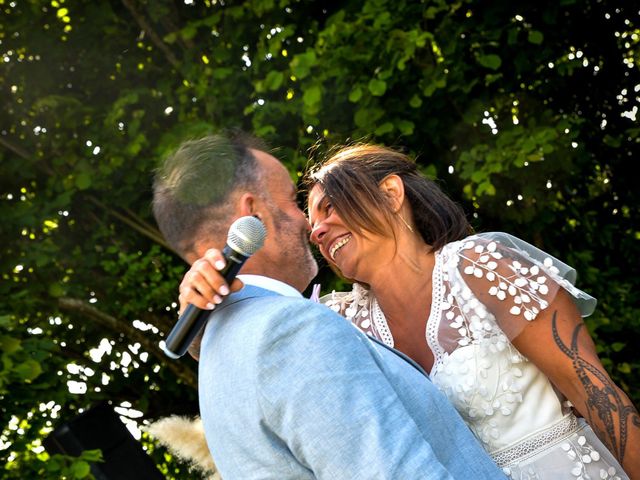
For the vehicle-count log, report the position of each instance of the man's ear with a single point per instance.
(250, 205)
(392, 187)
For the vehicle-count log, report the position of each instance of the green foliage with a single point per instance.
(54, 467)
(17, 364)
(524, 110)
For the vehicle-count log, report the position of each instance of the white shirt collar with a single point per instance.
(270, 284)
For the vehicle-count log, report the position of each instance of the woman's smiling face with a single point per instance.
(354, 253)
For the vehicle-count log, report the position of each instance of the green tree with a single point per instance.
(525, 110)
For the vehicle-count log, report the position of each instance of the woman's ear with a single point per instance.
(392, 187)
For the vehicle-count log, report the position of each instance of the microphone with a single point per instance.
(246, 236)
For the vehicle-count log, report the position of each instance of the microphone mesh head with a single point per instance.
(246, 235)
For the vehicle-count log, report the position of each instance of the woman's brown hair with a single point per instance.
(351, 179)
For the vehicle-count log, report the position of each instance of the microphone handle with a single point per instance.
(193, 319)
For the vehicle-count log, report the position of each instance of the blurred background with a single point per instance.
(526, 113)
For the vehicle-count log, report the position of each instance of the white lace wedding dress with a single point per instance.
(521, 420)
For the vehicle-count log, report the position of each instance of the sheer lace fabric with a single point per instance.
(508, 403)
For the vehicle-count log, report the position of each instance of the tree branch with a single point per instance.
(142, 222)
(15, 149)
(24, 154)
(85, 309)
(153, 36)
(135, 222)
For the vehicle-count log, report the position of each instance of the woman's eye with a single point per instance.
(328, 208)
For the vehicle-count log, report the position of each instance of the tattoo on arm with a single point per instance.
(603, 398)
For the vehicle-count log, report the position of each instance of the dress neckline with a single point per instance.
(434, 319)
(382, 326)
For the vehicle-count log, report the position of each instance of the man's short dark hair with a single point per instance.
(193, 186)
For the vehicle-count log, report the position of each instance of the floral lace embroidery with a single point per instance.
(483, 402)
(356, 306)
(523, 286)
(582, 455)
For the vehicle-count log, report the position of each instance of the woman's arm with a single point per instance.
(203, 285)
(532, 300)
(558, 343)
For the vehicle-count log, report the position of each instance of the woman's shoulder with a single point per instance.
(482, 241)
(502, 246)
(471, 246)
(504, 259)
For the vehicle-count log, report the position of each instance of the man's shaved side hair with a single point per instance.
(193, 185)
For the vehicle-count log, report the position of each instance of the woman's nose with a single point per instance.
(317, 232)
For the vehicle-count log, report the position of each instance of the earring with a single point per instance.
(405, 223)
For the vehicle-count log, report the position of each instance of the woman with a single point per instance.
(494, 321)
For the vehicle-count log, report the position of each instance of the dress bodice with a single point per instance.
(501, 395)
(509, 404)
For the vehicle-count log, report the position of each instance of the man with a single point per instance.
(289, 389)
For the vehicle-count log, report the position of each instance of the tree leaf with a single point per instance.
(312, 95)
(28, 370)
(406, 127)
(80, 469)
(9, 345)
(56, 290)
(302, 63)
(535, 37)
(386, 127)
(83, 181)
(377, 87)
(355, 95)
(274, 80)
(491, 61)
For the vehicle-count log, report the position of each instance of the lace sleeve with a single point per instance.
(337, 301)
(357, 306)
(512, 279)
(347, 304)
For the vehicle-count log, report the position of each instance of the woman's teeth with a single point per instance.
(339, 245)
